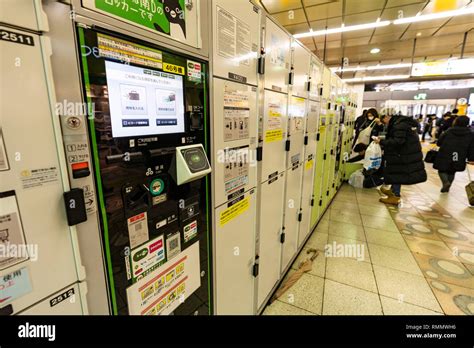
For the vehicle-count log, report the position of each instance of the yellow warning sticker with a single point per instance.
(309, 165)
(233, 211)
(175, 69)
(273, 135)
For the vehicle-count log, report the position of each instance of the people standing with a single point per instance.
(403, 158)
(456, 146)
(427, 126)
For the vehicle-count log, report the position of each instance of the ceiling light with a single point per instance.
(375, 50)
(438, 15)
(343, 29)
(372, 67)
(418, 34)
(376, 78)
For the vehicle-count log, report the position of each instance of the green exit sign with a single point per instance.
(420, 96)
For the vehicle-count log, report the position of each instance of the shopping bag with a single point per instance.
(373, 157)
(364, 135)
(431, 156)
(357, 179)
(470, 188)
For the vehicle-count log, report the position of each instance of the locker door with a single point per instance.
(274, 133)
(32, 210)
(269, 245)
(327, 162)
(308, 201)
(315, 78)
(235, 131)
(296, 130)
(236, 33)
(300, 65)
(292, 210)
(235, 255)
(277, 57)
(319, 169)
(313, 117)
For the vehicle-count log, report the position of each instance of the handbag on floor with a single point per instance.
(431, 156)
(470, 188)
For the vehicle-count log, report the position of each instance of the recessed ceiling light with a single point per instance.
(375, 50)
(418, 34)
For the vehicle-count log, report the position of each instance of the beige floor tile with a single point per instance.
(281, 308)
(345, 198)
(319, 263)
(395, 307)
(372, 210)
(306, 293)
(379, 222)
(351, 272)
(405, 287)
(346, 230)
(385, 238)
(463, 253)
(318, 241)
(322, 226)
(455, 300)
(349, 217)
(346, 206)
(397, 259)
(351, 244)
(341, 299)
(430, 247)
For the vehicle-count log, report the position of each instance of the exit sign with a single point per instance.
(420, 96)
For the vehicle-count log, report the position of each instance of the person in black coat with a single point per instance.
(403, 157)
(456, 146)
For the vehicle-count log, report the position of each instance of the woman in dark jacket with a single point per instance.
(402, 156)
(456, 145)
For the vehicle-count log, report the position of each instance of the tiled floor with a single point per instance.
(417, 258)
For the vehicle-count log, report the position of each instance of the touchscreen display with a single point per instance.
(144, 101)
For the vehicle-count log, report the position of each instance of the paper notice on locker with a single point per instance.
(3, 154)
(236, 170)
(13, 248)
(138, 229)
(233, 39)
(163, 290)
(236, 114)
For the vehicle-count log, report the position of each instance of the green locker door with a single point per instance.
(318, 172)
(328, 171)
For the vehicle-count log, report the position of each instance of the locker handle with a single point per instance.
(261, 65)
(312, 202)
(287, 145)
(306, 140)
(259, 153)
(324, 157)
(320, 202)
(282, 238)
(317, 137)
(300, 216)
(290, 77)
(255, 270)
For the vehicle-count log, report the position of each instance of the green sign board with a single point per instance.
(157, 15)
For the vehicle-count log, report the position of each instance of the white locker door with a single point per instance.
(236, 33)
(235, 255)
(235, 132)
(296, 130)
(307, 199)
(312, 120)
(271, 220)
(292, 210)
(275, 120)
(300, 64)
(32, 210)
(315, 78)
(277, 57)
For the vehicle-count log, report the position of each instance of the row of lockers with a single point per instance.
(282, 122)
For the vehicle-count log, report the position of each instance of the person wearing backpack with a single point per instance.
(402, 156)
(456, 145)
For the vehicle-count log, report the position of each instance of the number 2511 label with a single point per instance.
(16, 37)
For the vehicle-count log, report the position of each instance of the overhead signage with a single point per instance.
(446, 67)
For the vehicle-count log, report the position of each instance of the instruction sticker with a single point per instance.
(162, 291)
(39, 177)
(273, 135)
(234, 210)
(12, 238)
(147, 257)
(175, 69)
(14, 285)
(233, 38)
(194, 71)
(190, 231)
(3, 155)
(138, 229)
(236, 114)
(236, 171)
(173, 245)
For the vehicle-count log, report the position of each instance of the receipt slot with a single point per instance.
(190, 163)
